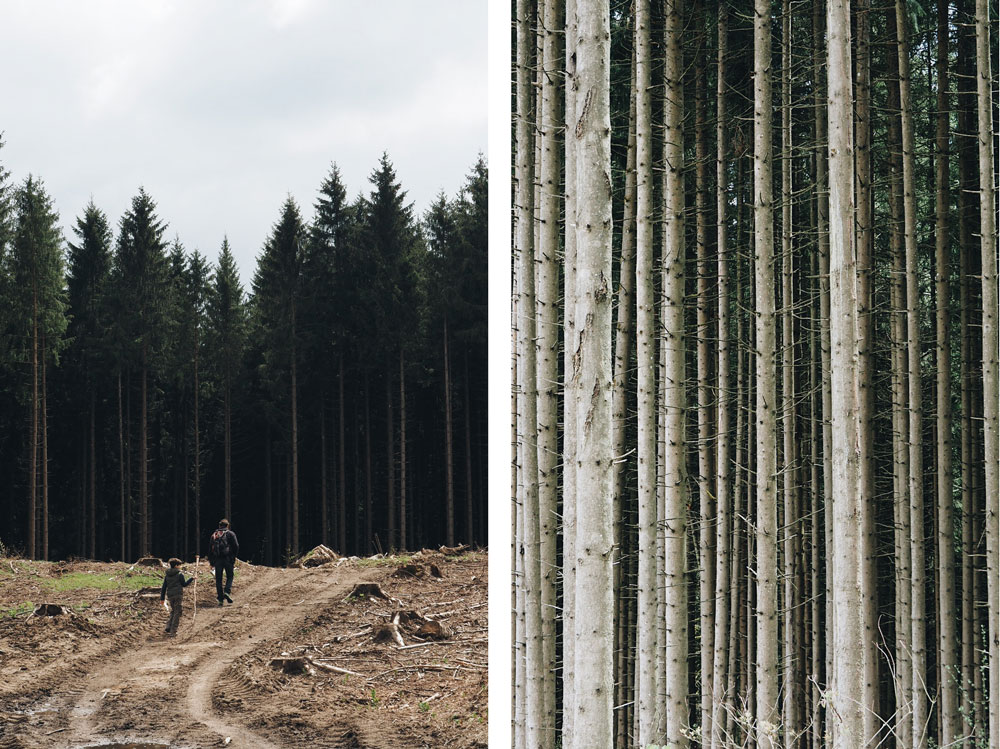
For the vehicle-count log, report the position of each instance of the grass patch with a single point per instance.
(18, 610)
(95, 581)
(392, 561)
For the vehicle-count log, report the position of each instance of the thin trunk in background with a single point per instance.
(914, 394)
(947, 658)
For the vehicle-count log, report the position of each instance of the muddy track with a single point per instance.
(161, 689)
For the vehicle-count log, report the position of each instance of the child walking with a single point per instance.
(173, 588)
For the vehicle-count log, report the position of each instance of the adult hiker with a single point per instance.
(173, 589)
(222, 550)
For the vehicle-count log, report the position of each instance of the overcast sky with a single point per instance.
(222, 108)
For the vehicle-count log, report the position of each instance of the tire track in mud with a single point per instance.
(164, 690)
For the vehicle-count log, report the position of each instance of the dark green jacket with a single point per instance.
(174, 584)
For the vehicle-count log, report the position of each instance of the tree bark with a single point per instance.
(914, 394)
(947, 646)
(550, 26)
(768, 711)
(646, 336)
(847, 712)
(723, 474)
(594, 635)
(991, 367)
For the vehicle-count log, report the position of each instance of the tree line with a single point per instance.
(754, 297)
(340, 399)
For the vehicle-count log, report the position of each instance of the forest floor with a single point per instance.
(299, 660)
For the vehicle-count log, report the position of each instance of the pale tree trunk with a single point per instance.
(816, 520)
(550, 27)
(768, 711)
(991, 368)
(591, 374)
(517, 520)
(866, 391)
(673, 388)
(646, 337)
(822, 221)
(619, 399)
(723, 477)
(966, 185)
(914, 394)
(900, 431)
(947, 646)
(790, 467)
(569, 397)
(533, 683)
(846, 717)
(706, 494)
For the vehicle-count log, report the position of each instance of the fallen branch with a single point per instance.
(422, 667)
(319, 663)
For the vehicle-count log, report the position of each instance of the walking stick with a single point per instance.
(196, 558)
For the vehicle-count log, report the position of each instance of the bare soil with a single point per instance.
(296, 661)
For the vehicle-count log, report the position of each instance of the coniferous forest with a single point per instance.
(754, 289)
(337, 398)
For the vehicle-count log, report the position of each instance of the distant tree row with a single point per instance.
(144, 393)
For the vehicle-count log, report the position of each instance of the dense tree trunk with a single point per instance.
(723, 476)
(991, 366)
(947, 658)
(914, 394)
(591, 388)
(846, 719)
(768, 712)
(865, 367)
(449, 447)
(33, 440)
(342, 472)
(402, 452)
(706, 488)
(45, 453)
(646, 336)
(569, 395)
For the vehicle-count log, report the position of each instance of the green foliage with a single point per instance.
(141, 281)
(35, 269)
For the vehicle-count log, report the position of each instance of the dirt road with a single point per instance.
(84, 681)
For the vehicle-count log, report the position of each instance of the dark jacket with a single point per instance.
(174, 584)
(234, 549)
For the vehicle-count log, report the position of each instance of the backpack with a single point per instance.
(219, 545)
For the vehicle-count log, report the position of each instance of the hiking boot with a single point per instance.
(228, 597)
(221, 602)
